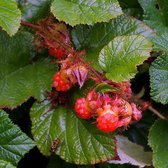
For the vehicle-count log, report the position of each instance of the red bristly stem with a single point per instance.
(32, 26)
(66, 47)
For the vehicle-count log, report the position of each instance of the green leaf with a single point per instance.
(89, 12)
(159, 79)
(10, 16)
(13, 142)
(80, 141)
(155, 13)
(34, 10)
(119, 59)
(97, 36)
(131, 153)
(104, 87)
(19, 79)
(4, 164)
(158, 140)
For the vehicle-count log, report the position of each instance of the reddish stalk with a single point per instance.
(32, 26)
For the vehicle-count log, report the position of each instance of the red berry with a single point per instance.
(81, 109)
(60, 84)
(57, 52)
(107, 120)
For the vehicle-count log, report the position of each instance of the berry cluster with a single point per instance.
(72, 71)
(110, 110)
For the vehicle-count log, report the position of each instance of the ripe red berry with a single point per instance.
(81, 109)
(107, 120)
(57, 52)
(60, 84)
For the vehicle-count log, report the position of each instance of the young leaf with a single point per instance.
(119, 59)
(131, 153)
(97, 36)
(80, 141)
(10, 16)
(104, 87)
(19, 79)
(4, 164)
(159, 79)
(158, 140)
(13, 142)
(88, 12)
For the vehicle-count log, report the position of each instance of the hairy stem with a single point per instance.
(157, 113)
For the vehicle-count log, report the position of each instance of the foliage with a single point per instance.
(56, 53)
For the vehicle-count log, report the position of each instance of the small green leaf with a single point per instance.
(131, 153)
(13, 142)
(89, 12)
(80, 141)
(158, 140)
(10, 16)
(159, 79)
(104, 87)
(119, 59)
(19, 79)
(4, 164)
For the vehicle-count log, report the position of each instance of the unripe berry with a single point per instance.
(60, 84)
(107, 120)
(137, 114)
(81, 109)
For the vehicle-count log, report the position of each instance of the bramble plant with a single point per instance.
(83, 83)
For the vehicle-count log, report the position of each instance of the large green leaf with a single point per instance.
(13, 142)
(155, 13)
(34, 9)
(131, 153)
(96, 36)
(4, 164)
(119, 59)
(158, 140)
(89, 12)
(19, 79)
(80, 141)
(159, 79)
(10, 16)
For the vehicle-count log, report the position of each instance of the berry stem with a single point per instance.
(27, 24)
(151, 108)
(157, 113)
